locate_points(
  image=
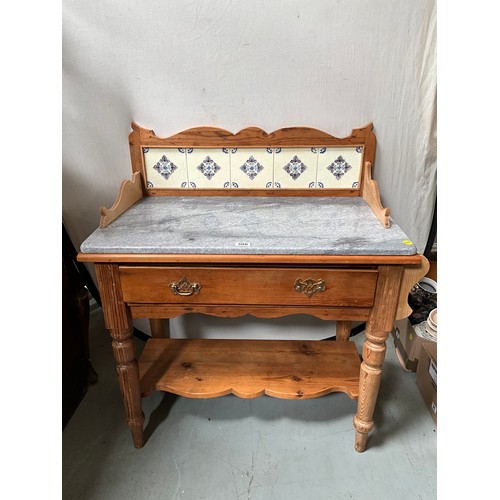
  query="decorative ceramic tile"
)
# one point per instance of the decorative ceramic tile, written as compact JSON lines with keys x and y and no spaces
{"x":251,"y":168}
{"x":208,"y":167}
{"x":165,"y":167}
{"x":339,"y":167}
{"x":295,"y":167}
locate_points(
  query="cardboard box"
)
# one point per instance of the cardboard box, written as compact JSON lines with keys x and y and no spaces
{"x":427,"y":377}
{"x":407,"y":343}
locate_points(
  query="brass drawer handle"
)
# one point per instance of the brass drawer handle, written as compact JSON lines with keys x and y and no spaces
{"x":309,"y":286}
{"x":185,"y":287}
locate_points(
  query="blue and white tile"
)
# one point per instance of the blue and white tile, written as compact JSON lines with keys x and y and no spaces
{"x":340,"y":167}
{"x":251,"y":168}
{"x":208,"y":168}
{"x":165,"y":167}
{"x":295,"y":167}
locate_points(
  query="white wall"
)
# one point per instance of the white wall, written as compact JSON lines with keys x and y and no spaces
{"x":171,"y":65}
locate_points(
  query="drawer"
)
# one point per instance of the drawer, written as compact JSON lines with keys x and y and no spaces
{"x":258,"y":286}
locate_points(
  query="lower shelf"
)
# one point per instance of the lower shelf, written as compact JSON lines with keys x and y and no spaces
{"x":289,"y":369}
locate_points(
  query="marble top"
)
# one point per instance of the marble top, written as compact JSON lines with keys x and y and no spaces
{"x":249,"y":225}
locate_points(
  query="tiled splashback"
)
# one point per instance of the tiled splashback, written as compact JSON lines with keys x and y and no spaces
{"x":253,"y":168}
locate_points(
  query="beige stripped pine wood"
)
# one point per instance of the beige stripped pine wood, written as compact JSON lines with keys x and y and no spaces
{"x":213,"y":137}
{"x":237,"y":311}
{"x":371,"y":195}
{"x":378,"y":327}
{"x":130,"y":192}
{"x":289,"y":369}
{"x":371,"y":288}
{"x":244,"y":259}
{"x":159,"y":328}
{"x":118,"y":321}
{"x":411,"y":275}
{"x":248,"y":286}
{"x":343,"y":330}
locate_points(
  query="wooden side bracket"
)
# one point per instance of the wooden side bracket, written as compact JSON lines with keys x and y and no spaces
{"x":371,"y":195}
{"x":130,"y":192}
{"x":411,"y":275}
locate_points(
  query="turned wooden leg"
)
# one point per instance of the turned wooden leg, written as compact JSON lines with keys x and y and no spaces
{"x":343,"y":330}
{"x":160,"y":328}
{"x":378,"y":326}
{"x":127,"y":370}
{"x":118,"y":321}
{"x":369,"y":384}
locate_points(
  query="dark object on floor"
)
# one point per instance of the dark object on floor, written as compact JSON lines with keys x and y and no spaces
{"x":77,"y":370}
{"x":422,"y":299}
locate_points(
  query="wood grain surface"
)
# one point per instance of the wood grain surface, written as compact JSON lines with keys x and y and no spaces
{"x":201,"y":368}
{"x":343,"y":287}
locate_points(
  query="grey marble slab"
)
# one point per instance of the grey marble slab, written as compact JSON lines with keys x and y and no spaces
{"x":249,"y":225}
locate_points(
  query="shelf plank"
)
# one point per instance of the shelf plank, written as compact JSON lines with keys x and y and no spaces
{"x":288,"y":369}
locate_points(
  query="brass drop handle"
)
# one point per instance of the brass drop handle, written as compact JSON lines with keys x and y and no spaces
{"x":185,"y":287}
{"x":309,"y":286}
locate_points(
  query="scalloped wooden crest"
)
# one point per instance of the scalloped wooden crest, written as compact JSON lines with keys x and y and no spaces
{"x":207,"y":136}
{"x":251,"y":136}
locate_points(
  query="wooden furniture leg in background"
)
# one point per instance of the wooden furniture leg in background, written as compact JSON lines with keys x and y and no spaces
{"x":378,"y":328}
{"x":118,"y":321}
{"x":343,"y":330}
{"x":159,"y":328}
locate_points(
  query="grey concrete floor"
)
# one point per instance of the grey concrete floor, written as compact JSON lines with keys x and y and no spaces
{"x":264,"y":448}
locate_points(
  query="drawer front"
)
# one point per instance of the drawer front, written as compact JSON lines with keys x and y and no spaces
{"x":270,"y":286}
